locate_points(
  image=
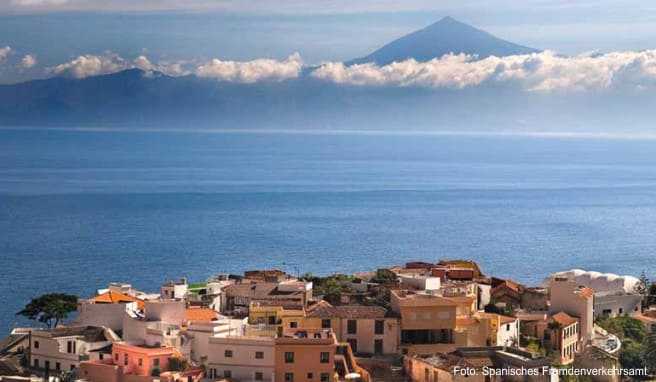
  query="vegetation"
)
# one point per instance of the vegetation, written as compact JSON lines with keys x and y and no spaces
{"x":384,"y":276}
{"x":178,"y":364}
{"x":50,"y":308}
{"x":638,"y":346}
{"x":624,"y":327}
{"x":330,"y":287}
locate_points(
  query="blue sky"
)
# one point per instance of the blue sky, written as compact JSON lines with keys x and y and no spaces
{"x":56,"y":31}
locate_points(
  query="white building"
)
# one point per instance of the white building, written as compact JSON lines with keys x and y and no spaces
{"x":226,"y":352}
{"x":62,"y":349}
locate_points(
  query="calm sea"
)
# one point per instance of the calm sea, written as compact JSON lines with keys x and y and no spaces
{"x":80,"y":209}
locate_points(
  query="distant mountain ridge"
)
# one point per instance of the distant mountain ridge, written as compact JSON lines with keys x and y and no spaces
{"x":443,"y":37}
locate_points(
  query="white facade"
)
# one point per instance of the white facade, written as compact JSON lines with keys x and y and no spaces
{"x":241,"y":358}
{"x":167,"y":311}
{"x":600,"y":282}
{"x":565,"y":296}
{"x":60,"y":353}
{"x":107,"y":315}
{"x":420,"y":282}
{"x":616,"y":304}
{"x":508,"y":333}
{"x":174,"y":289}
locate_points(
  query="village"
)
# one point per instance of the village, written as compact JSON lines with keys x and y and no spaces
{"x":419,"y":322}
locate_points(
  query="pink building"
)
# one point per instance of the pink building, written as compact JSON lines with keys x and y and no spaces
{"x":129,"y":363}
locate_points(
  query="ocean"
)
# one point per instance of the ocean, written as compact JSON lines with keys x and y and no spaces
{"x":82,"y":208}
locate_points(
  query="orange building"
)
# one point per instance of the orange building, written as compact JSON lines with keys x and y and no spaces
{"x":140,"y":360}
{"x":305,"y":355}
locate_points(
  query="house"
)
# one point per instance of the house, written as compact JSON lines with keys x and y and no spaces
{"x":269,"y":317}
{"x":174,"y":289}
{"x":368,"y":329}
{"x":107,"y":309}
{"x":427,"y":321}
{"x":567,"y":296}
{"x":237,"y":298}
{"x":240,"y":358}
{"x":445,"y":367}
{"x":614,"y":295}
{"x":130,"y":363}
{"x":562,"y":335}
{"x":305,"y":355}
{"x":62,"y":349}
{"x":503,"y":330}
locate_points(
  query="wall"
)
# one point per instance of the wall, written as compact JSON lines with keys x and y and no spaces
{"x":628,"y":303}
{"x":563,"y":297}
{"x":365,"y":335}
{"x":108,"y":315}
{"x":243,"y":363}
{"x":168,"y":311}
{"x":306,"y":360}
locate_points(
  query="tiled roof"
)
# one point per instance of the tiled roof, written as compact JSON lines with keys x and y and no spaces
{"x":113,"y":297}
{"x":257,"y":291}
{"x":563,"y":319}
{"x":200,"y":314}
{"x":586,"y":292}
{"x":323,"y":309}
{"x":89,"y":333}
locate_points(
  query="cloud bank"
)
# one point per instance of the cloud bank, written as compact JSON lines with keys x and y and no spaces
{"x":4,"y":53}
{"x":538,"y":72}
{"x":28,"y":61}
{"x":545,"y":71}
{"x":252,"y":71}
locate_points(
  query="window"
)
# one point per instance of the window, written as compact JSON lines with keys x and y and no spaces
{"x":272,"y":320}
{"x":293,"y":324}
{"x":426,"y":375}
{"x":140,"y":361}
{"x":325,"y":377}
{"x":378,"y":347}
{"x":621,"y":310}
{"x":125,"y":359}
{"x":289,"y":357}
{"x":324,"y":357}
{"x":259,"y":376}
{"x":72,"y":367}
{"x":36,"y":344}
{"x":57,"y":366}
{"x":325,"y":324}
{"x":259,"y":355}
{"x":310,"y":375}
{"x":101,"y":356}
{"x":289,"y":377}
{"x":227,"y":353}
{"x":379,"y":327}
{"x":36,"y":363}
{"x":156,"y":362}
{"x":351,"y":327}
{"x":507,"y":327}
{"x":227,"y":374}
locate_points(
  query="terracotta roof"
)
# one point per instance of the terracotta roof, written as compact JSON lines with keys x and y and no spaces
{"x":200,"y":314}
{"x":586,"y":292}
{"x":466,"y":321}
{"x":113,"y":297}
{"x":323,"y":309}
{"x":89,"y":333}
{"x":564,"y":319}
{"x":407,"y":298}
{"x":259,"y":291}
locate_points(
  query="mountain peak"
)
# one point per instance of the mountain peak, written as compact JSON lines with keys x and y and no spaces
{"x":445,"y":36}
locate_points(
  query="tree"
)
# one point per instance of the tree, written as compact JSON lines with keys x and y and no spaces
{"x":642,"y":288}
{"x":178,"y":364}
{"x":50,"y":308}
{"x":651,"y":296}
{"x":649,"y":351}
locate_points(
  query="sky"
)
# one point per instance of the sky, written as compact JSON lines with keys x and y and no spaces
{"x":38,"y":36}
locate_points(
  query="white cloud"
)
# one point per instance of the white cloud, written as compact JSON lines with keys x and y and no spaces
{"x":91,"y":65}
{"x":252,"y":71}
{"x":169,"y":68}
{"x":4,"y":53}
{"x":544,"y":71}
{"x":28,"y":61}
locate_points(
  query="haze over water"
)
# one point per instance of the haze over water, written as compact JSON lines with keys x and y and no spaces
{"x":79,"y":209}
